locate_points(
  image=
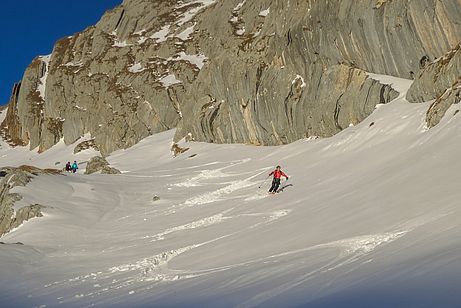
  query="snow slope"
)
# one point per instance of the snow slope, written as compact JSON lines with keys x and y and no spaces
{"x":368,"y":218}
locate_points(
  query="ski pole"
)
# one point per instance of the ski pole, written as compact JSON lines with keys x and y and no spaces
{"x":264,"y":182}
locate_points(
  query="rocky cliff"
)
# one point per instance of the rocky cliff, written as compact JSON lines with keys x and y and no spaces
{"x":261,"y":72}
{"x":439,"y":80}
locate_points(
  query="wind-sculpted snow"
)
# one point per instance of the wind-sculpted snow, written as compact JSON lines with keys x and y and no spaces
{"x":208,"y":174}
{"x":351,"y":250}
{"x":204,"y":222}
{"x":205,"y":174}
{"x":219,"y":194}
{"x":156,"y":268}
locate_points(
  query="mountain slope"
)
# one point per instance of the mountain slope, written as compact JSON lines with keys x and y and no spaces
{"x":369,"y":217}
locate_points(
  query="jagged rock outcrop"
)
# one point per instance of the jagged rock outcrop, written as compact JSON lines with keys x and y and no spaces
{"x":100,"y":164}
{"x":439,"y":80}
{"x":85,"y":145}
{"x":176,"y":149}
{"x":260,"y":72}
{"x":10,"y":217}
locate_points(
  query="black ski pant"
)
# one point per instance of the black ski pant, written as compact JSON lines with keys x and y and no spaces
{"x":275,"y":185}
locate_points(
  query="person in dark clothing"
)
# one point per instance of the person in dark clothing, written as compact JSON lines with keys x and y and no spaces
{"x":68,"y":167}
{"x":277,"y":173}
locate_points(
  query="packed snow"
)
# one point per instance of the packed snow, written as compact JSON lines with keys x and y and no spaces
{"x":197,"y":60}
{"x":240,"y":32}
{"x":136,"y":68}
{"x":265,"y":12}
{"x":162,"y":34}
{"x":239,"y":6}
{"x":190,"y":14}
{"x":42,"y":83}
{"x":140,"y":32}
{"x":120,"y":44}
{"x":185,"y":35}
{"x":368,"y":218}
{"x":169,"y":80}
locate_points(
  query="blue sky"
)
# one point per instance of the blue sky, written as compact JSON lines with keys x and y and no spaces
{"x":31,"y":27}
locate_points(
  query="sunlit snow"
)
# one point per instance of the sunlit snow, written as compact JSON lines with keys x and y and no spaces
{"x":368,"y":218}
{"x":169,"y":80}
{"x":136,"y":68}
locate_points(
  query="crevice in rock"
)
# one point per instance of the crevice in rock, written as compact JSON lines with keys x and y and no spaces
{"x":120,"y":19}
{"x":337,"y":111}
{"x":289,"y":38}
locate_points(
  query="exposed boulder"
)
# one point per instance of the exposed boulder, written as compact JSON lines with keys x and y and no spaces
{"x":439,"y":80}
{"x":85,"y":145}
{"x":176,"y":149}
{"x":10,"y":217}
{"x":100,"y":164}
{"x":95,"y":164}
{"x":110,"y":170}
{"x":441,"y":105}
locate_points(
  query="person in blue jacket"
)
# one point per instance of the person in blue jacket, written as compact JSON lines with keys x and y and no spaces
{"x":74,"y":167}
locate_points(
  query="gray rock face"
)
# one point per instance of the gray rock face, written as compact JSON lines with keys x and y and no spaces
{"x":254,"y":92}
{"x":85,"y":145}
{"x":11,"y":128}
{"x":12,"y":177}
{"x":439,"y":80}
{"x":343,"y":96}
{"x":261,"y":72}
{"x":110,"y":170}
{"x":99,"y":164}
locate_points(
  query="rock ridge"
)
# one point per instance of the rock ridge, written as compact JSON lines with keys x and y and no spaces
{"x":262,"y":72}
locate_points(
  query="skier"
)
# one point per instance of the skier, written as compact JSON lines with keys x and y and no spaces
{"x":278,"y":173}
{"x":74,"y":167}
{"x":68,"y":167}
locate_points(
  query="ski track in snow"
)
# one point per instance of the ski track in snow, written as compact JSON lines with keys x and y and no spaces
{"x":351,"y":250}
{"x":218,"y":194}
{"x":139,"y":275}
{"x":204,"y":222}
{"x":352,"y":253}
{"x":210,"y":174}
{"x":155,"y":268}
{"x":204,"y":175}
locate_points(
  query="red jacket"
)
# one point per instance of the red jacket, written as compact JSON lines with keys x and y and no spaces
{"x":278,"y":174}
